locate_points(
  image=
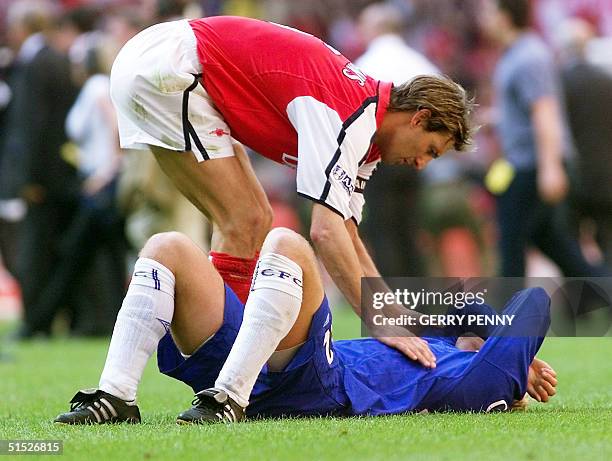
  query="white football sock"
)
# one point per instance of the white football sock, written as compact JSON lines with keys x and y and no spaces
{"x":144,"y":318}
{"x":270,"y":312}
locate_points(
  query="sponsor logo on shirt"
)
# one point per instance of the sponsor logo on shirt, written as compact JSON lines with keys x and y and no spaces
{"x":354,"y":73}
{"x":360,"y":184}
{"x":290,"y":160}
{"x":343,"y":178}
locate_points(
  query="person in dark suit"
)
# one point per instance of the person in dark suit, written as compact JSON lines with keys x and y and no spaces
{"x":32,"y":167}
{"x":588,"y":96}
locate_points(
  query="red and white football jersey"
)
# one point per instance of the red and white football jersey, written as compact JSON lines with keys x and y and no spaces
{"x":294,"y":99}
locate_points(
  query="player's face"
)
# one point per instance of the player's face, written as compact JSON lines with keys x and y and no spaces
{"x":409,"y":143}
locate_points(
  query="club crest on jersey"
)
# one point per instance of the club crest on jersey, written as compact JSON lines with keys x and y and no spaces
{"x":354,"y":73}
{"x":219,"y":132}
{"x":343,"y":178}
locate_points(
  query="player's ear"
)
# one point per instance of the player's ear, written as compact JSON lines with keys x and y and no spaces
{"x":420,"y":117}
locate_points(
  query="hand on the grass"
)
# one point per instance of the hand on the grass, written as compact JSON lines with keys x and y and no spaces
{"x":413,"y":347}
{"x":541,"y":381}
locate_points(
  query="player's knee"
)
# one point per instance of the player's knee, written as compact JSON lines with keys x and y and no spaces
{"x":539,"y":301}
{"x":288,"y":243}
{"x":167,"y":248}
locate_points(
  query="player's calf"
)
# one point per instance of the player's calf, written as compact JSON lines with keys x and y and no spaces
{"x":293,"y":246}
{"x":279,"y":299}
{"x":144,"y":318}
{"x":238,"y":240}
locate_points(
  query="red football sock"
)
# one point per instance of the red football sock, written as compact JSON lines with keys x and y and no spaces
{"x":235,"y":272}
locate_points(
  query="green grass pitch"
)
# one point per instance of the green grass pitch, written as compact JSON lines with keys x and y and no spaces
{"x":38,"y":379}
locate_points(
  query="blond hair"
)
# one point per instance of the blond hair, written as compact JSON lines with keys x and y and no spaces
{"x":447,"y":101}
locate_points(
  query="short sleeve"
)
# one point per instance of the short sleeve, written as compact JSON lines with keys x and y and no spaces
{"x":330,"y":150}
{"x":364,"y":173}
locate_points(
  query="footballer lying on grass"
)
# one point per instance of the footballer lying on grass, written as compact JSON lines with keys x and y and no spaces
{"x":274,"y":356}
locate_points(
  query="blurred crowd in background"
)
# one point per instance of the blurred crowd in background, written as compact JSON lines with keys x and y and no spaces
{"x":75,"y":208}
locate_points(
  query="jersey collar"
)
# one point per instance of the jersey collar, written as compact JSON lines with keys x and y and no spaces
{"x":384,"y":96}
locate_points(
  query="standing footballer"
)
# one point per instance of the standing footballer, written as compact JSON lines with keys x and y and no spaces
{"x":195,"y":91}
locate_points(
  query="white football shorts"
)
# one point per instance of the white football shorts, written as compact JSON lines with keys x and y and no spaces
{"x":156,"y":90}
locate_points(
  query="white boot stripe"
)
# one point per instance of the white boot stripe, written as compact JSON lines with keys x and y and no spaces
{"x":108,"y":405}
{"x":104,"y":413}
{"x":95,"y":413}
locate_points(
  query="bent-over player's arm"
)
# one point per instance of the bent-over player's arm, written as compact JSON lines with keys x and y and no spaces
{"x":336,"y":249}
{"x":342,"y":260}
{"x":366,"y":262}
{"x":329,"y":172}
{"x":369,"y":269}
